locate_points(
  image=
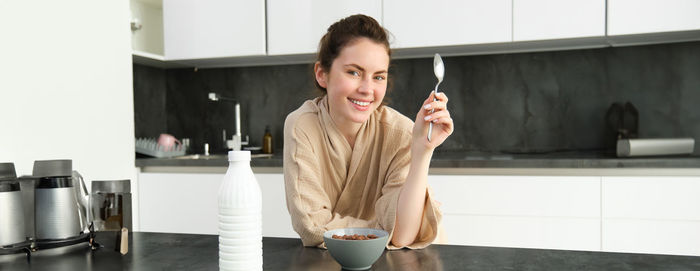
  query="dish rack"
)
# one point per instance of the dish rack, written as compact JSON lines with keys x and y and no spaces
{"x":149,"y":146}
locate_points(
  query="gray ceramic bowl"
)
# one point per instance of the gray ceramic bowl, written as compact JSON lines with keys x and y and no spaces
{"x":356,"y":254}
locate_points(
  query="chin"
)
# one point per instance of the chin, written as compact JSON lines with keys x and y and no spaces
{"x":360,"y":116}
{"x":361,"y":119}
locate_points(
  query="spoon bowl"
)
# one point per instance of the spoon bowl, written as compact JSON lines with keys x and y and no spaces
{"x":438,"y":68}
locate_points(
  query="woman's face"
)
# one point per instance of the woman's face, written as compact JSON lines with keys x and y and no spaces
{"x":357,"y":81}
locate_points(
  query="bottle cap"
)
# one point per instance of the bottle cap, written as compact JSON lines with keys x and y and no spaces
{"x":238,"y":156}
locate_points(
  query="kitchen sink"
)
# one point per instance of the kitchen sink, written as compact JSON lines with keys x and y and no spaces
{"x":202,"y":157}
{"x":489,"y":157}
{"x":215,"y":156}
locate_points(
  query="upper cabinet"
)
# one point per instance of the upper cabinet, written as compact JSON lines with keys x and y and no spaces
{"x":295,"y":27}
{"x":649,"y":16}
{"x":557,"y":19}
{"x":416,"y":23}
{"x":213,"y":28}
{"x":228,"y":33}
{"x":147,"y":26}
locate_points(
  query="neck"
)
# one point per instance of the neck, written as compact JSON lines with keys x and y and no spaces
{"x":346,"y":127}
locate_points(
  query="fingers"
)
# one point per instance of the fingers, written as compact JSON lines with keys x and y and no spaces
{"x":435,"y":110}
{"x":440,"y":96}
{"x":446,"y":122}
{"x":439,"y":104}
{"x":435,"y":116}
{"x":428,"y":100}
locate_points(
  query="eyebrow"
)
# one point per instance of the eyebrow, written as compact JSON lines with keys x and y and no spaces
{"x":362,"y":69}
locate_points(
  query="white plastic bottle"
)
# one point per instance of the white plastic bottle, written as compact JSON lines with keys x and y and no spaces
{"x":240,"y":216}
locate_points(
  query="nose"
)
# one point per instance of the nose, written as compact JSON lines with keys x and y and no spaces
{"x":365,"y":86}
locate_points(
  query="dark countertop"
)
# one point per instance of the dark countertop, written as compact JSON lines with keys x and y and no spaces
{"x":165,"y":251}
{"x":457,"y":159}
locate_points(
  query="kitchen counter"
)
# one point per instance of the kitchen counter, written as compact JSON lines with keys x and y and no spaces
{"x":165,"y":251}
{"x":454,"y":162}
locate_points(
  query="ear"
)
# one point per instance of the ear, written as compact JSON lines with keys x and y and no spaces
{"x":321,"y":75}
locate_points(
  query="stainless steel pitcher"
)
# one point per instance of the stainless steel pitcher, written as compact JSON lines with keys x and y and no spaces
{"x":60,"y":201}
{"x":11,"y":207}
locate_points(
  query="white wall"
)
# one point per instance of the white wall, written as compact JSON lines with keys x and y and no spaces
{"x":66,"y":86}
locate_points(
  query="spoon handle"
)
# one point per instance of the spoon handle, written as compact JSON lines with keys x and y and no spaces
{"x":430,"y":128}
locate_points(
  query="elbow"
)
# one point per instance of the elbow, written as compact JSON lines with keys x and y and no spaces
{"x":311,"y":242}
{"x":401,"y":241}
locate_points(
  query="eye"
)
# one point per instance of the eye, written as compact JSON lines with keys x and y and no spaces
{"x":354,"y":73}
{"x":380,"y":78}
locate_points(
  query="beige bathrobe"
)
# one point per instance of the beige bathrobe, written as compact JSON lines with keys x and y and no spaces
{"x":330,"y":185}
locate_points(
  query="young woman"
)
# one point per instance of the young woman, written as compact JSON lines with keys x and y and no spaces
{"x":349,"y":160}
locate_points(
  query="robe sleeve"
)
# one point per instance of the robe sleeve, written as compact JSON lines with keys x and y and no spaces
{"x":386,"y":205}
{"x":307,"y":202}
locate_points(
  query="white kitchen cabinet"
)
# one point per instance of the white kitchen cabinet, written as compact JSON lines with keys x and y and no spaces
{"x":651,"y":236}
{"x":187,"y":203}
{"x":178,"y":203}
{"x":220,"y":33}
{"x":651,"y":215}
{"x":649,"y":16}
{"x":558,"y":19}
{"x":416,"y":23}
{"x":296,"y":27}
{"x":276,"y":219}
{"x":213,"y":28}
{"x":147,"y":28}
{"x":523,"y":231}
{"x":147,"y":33}
{"x":641,"y":214}
{"x":560,"y":212}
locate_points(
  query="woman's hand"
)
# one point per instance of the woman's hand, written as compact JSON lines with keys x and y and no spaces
{"x":442,"y":123}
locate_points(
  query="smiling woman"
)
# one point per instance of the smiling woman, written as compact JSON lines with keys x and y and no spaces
{"x":351,"y":161}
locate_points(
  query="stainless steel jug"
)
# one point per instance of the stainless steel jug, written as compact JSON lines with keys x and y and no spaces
{"x":60,"y":196}
{"x":11,"y":207}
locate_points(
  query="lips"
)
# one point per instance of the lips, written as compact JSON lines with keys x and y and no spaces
{"x":359,"y":102}
{"x":360,"y":105}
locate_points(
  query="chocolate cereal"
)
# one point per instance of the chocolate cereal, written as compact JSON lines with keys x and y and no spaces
{"x":355,"y":237}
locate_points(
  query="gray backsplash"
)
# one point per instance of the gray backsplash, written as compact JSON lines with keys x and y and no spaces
{"x":527,"y":102}
{"x":149,"y":101}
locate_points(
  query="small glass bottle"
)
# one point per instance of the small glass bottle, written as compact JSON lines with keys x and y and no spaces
{"x":240,"y":216}
{"x":267,"y":141}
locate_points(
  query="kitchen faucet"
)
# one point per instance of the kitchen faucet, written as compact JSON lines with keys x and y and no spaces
{"x":235,"y":142}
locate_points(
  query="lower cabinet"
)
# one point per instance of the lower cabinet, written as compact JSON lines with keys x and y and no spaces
{"x":187,"y":203}
{"x":659,"y":215}
{"x":633,"y":214}
{"x":639,"y":214}
{"x":559,"y":212}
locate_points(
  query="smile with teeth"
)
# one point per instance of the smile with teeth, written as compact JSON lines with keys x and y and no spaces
{"x":360,"y":103}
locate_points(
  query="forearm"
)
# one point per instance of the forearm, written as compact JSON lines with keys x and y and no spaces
{"x":409,"y":212}
{"x":311,"y":225}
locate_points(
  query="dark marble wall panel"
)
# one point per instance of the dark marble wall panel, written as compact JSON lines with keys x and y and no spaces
{"x":266,"y":95}
{"x":528,"y":102}
{"x":556,"y":101}
{"x":150,"y":114}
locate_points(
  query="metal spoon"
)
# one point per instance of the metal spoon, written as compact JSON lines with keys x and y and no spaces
{"x":439,"y":69}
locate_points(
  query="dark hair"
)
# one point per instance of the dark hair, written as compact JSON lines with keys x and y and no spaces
{"x":341,"y":33}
